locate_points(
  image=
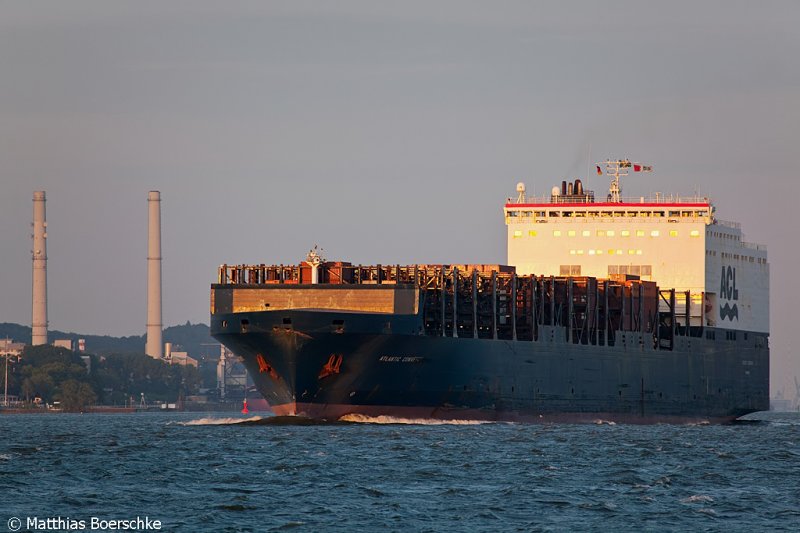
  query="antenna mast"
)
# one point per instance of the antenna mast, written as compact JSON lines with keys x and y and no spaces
{"x":616,"y":169}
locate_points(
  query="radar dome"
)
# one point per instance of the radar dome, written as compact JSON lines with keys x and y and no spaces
{"x":555,"y":191}
{"x":520,"y":187}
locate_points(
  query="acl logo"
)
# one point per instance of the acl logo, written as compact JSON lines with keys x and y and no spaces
{"x":728,"y":291}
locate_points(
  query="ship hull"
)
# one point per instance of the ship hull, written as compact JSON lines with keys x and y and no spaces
{"x":328,"y":365}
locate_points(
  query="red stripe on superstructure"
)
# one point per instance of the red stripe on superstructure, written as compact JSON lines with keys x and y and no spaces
{"x":609,"y":204}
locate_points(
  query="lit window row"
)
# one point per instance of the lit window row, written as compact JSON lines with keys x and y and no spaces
{"x":606,"y":233}
{"x":610,"y":251}
{"x":518,"y":233}
{"x":622,"y":233}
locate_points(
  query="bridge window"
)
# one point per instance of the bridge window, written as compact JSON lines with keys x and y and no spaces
{"x":654,"y":233}
{"x":673,"y":233}
{"x":517,"y":234}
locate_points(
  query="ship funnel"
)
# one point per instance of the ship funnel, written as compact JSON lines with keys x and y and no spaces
{"x":153,"y":346}
{"x":39,"y":256}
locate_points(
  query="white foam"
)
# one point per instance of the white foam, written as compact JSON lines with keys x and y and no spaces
{"x":219,"y":421}
{"x":382,"y":419}
{"x":698,"y":498}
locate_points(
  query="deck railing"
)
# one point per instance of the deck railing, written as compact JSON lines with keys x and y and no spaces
{"x":656,"y":198}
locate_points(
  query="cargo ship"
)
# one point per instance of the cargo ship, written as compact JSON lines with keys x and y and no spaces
{"x":634,"y":310}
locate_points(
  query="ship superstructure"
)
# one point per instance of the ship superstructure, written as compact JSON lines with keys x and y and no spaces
{"x":676,"y":241}
{"x":635,"y":311}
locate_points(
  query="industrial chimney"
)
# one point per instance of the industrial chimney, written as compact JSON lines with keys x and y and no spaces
{"x":39,"y":253}
{"x":153,"y":347}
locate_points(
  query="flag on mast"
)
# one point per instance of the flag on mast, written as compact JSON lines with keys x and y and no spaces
{"x":599,"y":171}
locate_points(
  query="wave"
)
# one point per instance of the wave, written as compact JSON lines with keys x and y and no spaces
{"x":698,"y":498}
{"x":211,"y":421}
{"x":383,"y":419}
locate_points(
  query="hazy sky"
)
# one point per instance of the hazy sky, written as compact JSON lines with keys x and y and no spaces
{"x":386,"y":132}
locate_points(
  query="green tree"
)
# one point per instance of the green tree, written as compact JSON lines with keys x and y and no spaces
{"x":27,"y":389}
{"x":76,"y":396}
{"x":43,"y":384}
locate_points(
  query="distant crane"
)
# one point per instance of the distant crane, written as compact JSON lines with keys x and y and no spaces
{"x":797,"y":394}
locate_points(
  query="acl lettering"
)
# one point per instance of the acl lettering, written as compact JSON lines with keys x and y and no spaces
{"x":728,"y":291}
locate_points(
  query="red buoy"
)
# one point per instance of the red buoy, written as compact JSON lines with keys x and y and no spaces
{"x":244,"y":407}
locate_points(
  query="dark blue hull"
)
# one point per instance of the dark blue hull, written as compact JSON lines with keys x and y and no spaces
{"x":327,"y":364}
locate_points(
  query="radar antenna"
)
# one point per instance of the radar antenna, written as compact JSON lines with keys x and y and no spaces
{"x":315,"y":256}
{"x":520,"y":193}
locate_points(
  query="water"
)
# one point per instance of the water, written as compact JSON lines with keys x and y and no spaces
{"x":198,"y":472}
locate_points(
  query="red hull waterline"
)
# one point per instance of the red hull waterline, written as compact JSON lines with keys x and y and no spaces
{"x":334,"y":412}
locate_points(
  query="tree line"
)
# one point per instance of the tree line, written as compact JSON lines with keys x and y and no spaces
{"x":49,"y":374}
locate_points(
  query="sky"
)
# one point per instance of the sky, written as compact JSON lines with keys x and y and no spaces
{"x":385,"y":132}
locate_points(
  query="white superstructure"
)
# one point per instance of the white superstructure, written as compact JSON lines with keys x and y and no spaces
{"x":674,"y":241}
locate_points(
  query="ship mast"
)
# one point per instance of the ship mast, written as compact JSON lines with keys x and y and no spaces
{"x":616,"y":169}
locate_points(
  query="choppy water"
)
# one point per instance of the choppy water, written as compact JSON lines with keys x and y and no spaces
{"x":206,"y":473}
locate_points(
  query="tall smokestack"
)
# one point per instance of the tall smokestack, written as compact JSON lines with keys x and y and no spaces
{"x":153,"y":347}
{"x":39,"y":252}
